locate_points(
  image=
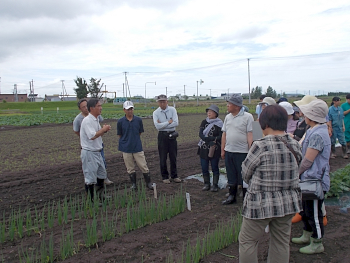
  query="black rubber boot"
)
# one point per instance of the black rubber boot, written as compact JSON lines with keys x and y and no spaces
{"x":232,"y":197}
{"x":215,"y":186}
{"x":348,"y":146}
{"x":89,"y":188}
{"x":133,"y":180}
{"x":345,"y":155}
{"x":100,"y":189}
{"x":206,"y":178}
{"x":244,"y":192}
{"x":333,"y":155}
{"x":148,"y":181}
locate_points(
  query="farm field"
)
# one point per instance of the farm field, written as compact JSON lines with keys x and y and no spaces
{"x":41,"y":166}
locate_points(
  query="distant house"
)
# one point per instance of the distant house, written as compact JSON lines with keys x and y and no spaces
{"x":55,"y":97}
{"x":13,"y":97}
{"x":226,"y":96}
{"x":69,"y":98}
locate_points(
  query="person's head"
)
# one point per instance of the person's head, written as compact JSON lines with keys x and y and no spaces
{"x":212,"y":111}
{"x":348,"y":98}
{"x":267,"y":101}
{"x":288,"y":107}
{"x":94,"y":107}
{"x":316,"y":111}
{"x":234,"y":103}
{"x":282,"y":99}
{"x":82,"y":105}
{"x":162,"y":101}
{"x":128,"y":108}
{"x":273,"y":117}
{"x":262,"y":97}
{"x":296,"y":114}
{"x":336,"y":101}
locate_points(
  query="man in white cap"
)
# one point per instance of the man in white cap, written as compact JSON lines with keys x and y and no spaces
{"x":129,"y":129}
{"x":165,"y":120}
{"x":237,"y":138}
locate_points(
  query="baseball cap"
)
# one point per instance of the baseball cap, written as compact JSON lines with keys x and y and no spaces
{"x":268,"y":101}
{"x":162,"y":97}
{"x":128,"y":104}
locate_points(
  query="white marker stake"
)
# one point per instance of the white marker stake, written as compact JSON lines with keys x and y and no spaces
{"x":42,"y":110}
{"x":267,"y":229}
{"x":155,"y":190}
{"x":188,"y":201}
{"x":58,"y":109}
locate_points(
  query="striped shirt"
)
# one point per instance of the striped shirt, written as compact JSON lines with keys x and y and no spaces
{"x":271,"y":171}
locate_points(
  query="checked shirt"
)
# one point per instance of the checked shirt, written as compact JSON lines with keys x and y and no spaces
{"x":271,"y":171}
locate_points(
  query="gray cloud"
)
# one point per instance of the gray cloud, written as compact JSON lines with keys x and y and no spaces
{"x":68,"y":9}
{"x":244,"y":34}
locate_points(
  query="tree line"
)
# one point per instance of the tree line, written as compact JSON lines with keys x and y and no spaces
{"x":83,"y":88}
{"x":270,"y":92}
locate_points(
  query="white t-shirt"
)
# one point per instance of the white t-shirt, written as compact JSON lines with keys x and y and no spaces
{"x":236,"y":129}
{"x":89,"y":126}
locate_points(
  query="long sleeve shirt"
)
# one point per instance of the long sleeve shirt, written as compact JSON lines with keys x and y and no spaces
{"x":163,"y":116}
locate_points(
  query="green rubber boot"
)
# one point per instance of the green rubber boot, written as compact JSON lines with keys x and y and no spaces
{"x":315,"y":247}
{"x":304,"y":239}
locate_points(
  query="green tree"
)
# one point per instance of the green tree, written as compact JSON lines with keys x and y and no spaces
{"x":94,"y":88}
{"x":256,"y":92}
{"x":81,"y":89}
{"x":270,"y":92}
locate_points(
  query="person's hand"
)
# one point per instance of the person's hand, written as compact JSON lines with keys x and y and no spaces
{"x":158,"y":121}
{"x":343,"y":128}
{"x":330,"y":131}
{"x":106,"y":127}
{"x":291,"y":135}
{"x":170,"y":121}
{"x":222,"y":154}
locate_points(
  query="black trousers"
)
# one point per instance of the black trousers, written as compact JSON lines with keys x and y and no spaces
{"x":167,"y":146}
{"x":233,"y":162}
{"x":313,"y":217}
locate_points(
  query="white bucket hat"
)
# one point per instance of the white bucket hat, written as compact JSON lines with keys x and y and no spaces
{"x":316,"y":110}
{"x":287,"y":106}
{"x":305,"y":100}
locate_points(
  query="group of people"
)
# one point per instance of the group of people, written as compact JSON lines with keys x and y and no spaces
{"x":129,"y":128}
{"x":297,"y":143}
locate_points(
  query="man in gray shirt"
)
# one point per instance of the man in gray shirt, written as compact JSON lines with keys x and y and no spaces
{"x":82,"y":105}
{"x":237,"y":137}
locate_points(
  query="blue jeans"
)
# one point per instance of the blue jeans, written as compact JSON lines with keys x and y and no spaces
{"x":214,"y":165}
{"x":233,"y":162}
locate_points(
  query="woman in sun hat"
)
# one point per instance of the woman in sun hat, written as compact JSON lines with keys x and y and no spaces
{"x":336,"y":118}
{"x":210,"y":134}
{"x":291,"y":124}
{"x":316,"y":148}
{"x":265,"y":102}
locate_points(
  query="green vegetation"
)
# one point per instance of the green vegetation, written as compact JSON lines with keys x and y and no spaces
{"x":340,"y":182}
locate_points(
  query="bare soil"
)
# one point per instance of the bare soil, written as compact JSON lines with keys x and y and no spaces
{"x":153,"y":242}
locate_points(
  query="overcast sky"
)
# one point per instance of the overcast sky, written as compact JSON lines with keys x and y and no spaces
{"x":294,"y":46}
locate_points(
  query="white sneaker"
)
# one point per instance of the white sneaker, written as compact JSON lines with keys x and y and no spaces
{"x":108,"y":182}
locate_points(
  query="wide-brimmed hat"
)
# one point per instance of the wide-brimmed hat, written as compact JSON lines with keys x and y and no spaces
{"x":316,"y":110}
{"x":287,"y":106}
{"x":268,"y":101}
{"x":236,"y":99}
{"x":214,"y":108}
{"x":128,"y":104}
{"x":305,"y":100}
{"x":162,"y":97}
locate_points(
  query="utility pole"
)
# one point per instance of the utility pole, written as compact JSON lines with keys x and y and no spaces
{"x":249,"y":80}
{"x":15,"y":92}
{"x":200,"y":83}
{"x":166,"y":91}
{"x":184,"y":90}
{"x":123,"y":91}
{"x":64,"y":92}
{"x":210,"y":93}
